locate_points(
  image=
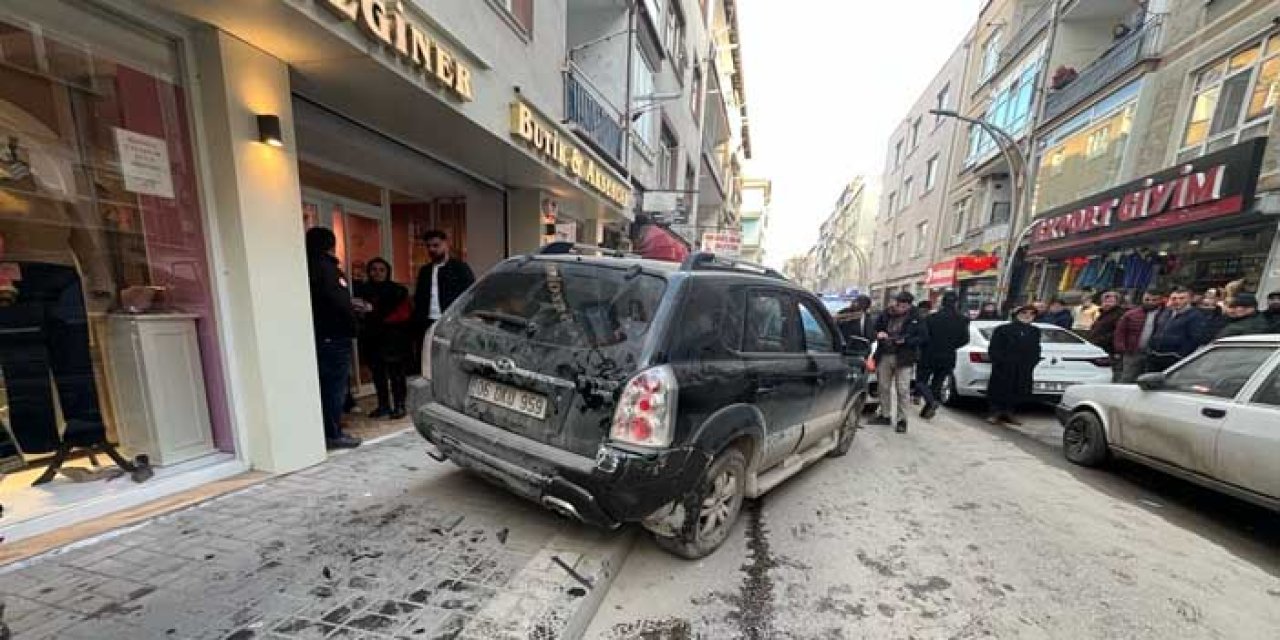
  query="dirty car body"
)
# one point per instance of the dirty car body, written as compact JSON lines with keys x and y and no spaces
{"x":605,"y":388}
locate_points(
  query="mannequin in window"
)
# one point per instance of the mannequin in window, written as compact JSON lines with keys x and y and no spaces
{"x":45,"y":247}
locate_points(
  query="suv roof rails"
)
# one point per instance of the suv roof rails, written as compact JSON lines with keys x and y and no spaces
{"x":568,"y":248}
{"x":705,"y":261}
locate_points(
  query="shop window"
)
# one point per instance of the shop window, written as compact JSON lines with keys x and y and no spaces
{"x":1234,"y":99}
{"x":107,"y":328}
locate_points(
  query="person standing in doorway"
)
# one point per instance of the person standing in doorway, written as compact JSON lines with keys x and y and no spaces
{"x":333,"y":317}
{"x":1133,"y":335}
{"x":900,"y":333}
{"x":1103,"y":332}
{"x":1179,"y":331}
{"x":948,"y":330}
{"x":1014,"y":353}
{"x":385,"y":340}
{"x":440,"y":282}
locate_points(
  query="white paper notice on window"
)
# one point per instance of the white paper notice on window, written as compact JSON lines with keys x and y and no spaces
{"x":144,"y":162}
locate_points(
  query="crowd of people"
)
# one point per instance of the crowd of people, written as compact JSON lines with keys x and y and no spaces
{"x":380,"y":317}
{"x":915,"y":347}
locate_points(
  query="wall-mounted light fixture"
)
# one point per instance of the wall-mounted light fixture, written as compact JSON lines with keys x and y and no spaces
{"x":269,"y":130}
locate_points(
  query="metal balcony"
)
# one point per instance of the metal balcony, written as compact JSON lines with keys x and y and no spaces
{"x":1140,"y":46}
{"x":599,"y":124}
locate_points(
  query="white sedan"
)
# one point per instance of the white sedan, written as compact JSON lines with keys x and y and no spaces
{"x":1213,"y":419}
{"x":1066,"y":360}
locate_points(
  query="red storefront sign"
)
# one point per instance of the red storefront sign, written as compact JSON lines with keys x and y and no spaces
{"x":941,"y":275}
{"x":1209,"y":187}
{"x":973,"y":265}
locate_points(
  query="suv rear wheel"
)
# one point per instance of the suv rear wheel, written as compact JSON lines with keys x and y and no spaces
{"x":718,"y":499}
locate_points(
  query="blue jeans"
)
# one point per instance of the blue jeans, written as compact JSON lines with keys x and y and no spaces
{"x":333,"y":357}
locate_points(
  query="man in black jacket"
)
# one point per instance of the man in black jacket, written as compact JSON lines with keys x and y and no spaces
{"x":948,"y":331}
{"x":334,"y":319}
{"x":901,"y":332}
{"x":857,"y":321}
{"x":439,"y":283}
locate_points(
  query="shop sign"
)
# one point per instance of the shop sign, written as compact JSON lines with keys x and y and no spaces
{"x":725,"y":243}
{"x":383,"y":21}
{"x":1212,"y":186}
{"x":550,"y":142}
{"x":941,"y":275}
{"x":968,"y":267}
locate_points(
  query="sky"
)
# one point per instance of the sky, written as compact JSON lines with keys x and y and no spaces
{"x":826,"y":82}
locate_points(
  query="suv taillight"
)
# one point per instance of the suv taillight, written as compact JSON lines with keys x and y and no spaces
{"x":646,"y":412}
{"x":426,"y":351}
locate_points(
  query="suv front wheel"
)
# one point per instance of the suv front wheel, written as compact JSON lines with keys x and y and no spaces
{"x":718,"y":498}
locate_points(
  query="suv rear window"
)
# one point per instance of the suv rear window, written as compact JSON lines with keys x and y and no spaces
{"x":567,"y":304}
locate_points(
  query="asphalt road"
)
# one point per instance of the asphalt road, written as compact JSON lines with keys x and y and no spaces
{"x":964,"y":530}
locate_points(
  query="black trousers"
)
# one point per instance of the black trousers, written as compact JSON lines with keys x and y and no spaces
{"x":931,"y":374}
{"x":389,"y":380}
{"x":43,"y":334}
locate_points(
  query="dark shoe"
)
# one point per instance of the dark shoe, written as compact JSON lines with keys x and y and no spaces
{"x":1008,"y":419}
{"x":343,"y":442}
{"x":902,"y":426}
{"x":995,"y":419}
{"x":380,"y":412}
{"x":880,"y":421}
{"x":398,"y":413}
{"x":929,"y":411}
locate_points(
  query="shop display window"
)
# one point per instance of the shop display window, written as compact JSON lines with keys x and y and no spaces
{"x":107,"y":330}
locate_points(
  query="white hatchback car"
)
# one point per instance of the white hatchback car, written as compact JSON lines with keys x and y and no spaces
{"x":1066,"y":360}
{"x":1213,"y":419}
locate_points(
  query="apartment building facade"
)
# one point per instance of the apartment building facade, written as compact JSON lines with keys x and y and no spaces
{"x":757,"y":200}
{"x":841,"y":262}
{"x":914,"y":186}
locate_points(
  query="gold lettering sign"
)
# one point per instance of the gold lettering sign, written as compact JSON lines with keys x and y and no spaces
{"x":559,"y":147}
{"x":414,"y":46}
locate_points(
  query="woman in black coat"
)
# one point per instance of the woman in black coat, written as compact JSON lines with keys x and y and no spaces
{"x":1014,"y":353}
{"x":386,"y":341}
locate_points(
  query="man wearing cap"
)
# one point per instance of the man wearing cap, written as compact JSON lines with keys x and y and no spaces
{"x":1272,"y":314}
{"x":901,"y":332}
{"x":948,"y":331}
{"x":1243,"y":317}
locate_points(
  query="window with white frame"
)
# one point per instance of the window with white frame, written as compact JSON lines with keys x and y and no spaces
{"x":931,"y":174}
{"x":884,"y":253}
{"x":991,"y":54}
{"x":1235,"y":99}
{"x":899,"y":243}
{"x":521,"y":11}
{"x":645,"y":124}
{"x":943,"y":103}
{"x":897,"y":154}
{"x":922,"y":233}
{"x":959,"y":218}
{"x":1010,"y":110}
{"x":915,"y":134}
{"x":673,"y":37}
{"x":908,"y":189}
{"x":893,"y":204}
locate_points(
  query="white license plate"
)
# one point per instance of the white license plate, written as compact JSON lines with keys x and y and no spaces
{"x":507,"y":397}
{"x":1053,"y":387}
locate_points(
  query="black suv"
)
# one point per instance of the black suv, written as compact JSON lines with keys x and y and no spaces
{"x":613,"y":389}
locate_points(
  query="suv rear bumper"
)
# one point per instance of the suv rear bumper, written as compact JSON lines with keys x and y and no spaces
{"x":615,"y":488}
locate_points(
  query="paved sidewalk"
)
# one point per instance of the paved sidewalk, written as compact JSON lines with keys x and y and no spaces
{"x":382,"y":542}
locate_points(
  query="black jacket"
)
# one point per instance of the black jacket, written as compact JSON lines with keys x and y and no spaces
{"x":1253,"y":324}
{"x":1274,"y":318}
{"x":1014,"y":353}
{"x":1179,"y":334}
{"x":379,"y":339}
{"x":863,"y":327}
{"x":948,"y":331}
{"x":904,"y":345}
{"x":455,"y":278}
{"x":331,"y":312}
{"x":1061,"y":318}
{"x":1103,"y":332}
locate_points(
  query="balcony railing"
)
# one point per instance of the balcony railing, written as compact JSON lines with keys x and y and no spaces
{"x":1143,"y":44}
{"x":597,"y":122}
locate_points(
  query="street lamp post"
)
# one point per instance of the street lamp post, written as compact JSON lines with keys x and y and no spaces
{"x":1017,"y":174}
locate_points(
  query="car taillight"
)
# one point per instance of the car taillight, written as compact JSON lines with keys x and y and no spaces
{"x":979,"y":357}
{"x":1104,"y":361}
{"x":646,"y":410}
{"x":426,"y":351}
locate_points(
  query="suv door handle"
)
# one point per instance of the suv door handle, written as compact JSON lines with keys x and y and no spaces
{"x":1210,"y":412}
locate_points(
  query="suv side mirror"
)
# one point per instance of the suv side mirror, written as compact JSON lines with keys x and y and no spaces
{"x":1151,"y":381}
{"x":857,"y":346}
